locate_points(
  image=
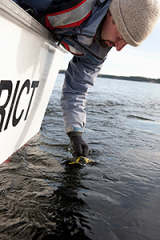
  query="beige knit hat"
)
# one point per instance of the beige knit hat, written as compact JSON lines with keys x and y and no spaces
{"x":135,"y":19}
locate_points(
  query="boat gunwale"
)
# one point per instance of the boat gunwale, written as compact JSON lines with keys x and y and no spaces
{"x":22,"y":17}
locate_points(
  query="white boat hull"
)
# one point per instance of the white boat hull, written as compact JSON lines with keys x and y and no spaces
{"x":29,"y":65}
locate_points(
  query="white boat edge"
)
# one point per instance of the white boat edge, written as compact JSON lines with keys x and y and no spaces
{"x":30,"y":61}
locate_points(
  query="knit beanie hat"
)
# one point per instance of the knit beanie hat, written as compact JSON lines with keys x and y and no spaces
{"x":135,"y":19}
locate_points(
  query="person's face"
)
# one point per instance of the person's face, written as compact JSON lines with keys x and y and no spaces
{"x":110,"y":36}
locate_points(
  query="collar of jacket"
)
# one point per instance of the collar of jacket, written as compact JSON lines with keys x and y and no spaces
{"x":91,"y":27}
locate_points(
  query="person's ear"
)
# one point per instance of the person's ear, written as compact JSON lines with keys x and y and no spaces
{"x":108,"y":14}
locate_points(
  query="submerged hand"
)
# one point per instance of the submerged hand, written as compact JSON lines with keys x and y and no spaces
{"x":79,"y":145}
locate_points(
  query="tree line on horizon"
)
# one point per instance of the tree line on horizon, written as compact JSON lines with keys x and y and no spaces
{"x":130,"y":78}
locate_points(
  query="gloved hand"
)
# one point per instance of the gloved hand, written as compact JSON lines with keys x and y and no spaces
{"x":79,"y":145}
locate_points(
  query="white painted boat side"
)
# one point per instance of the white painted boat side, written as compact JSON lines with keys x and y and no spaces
{"x":29,"y":64}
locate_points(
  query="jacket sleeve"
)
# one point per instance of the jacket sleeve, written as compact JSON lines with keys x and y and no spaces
{"x":79,"y":76}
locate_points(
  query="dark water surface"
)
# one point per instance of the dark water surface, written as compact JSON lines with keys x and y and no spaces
{"x":43,"y":197}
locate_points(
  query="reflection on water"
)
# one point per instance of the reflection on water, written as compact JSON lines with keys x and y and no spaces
{"x":42,"y":196}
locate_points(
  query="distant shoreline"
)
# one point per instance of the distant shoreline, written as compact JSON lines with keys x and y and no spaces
{"x":131,"y":78}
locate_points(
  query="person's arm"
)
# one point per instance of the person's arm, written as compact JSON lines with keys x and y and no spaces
{"x":79,"y":76}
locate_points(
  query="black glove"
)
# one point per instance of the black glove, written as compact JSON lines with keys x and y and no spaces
{"x":79,"y":145}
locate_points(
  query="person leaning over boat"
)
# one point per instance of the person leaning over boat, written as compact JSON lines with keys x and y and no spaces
{"x":89,"y":29}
